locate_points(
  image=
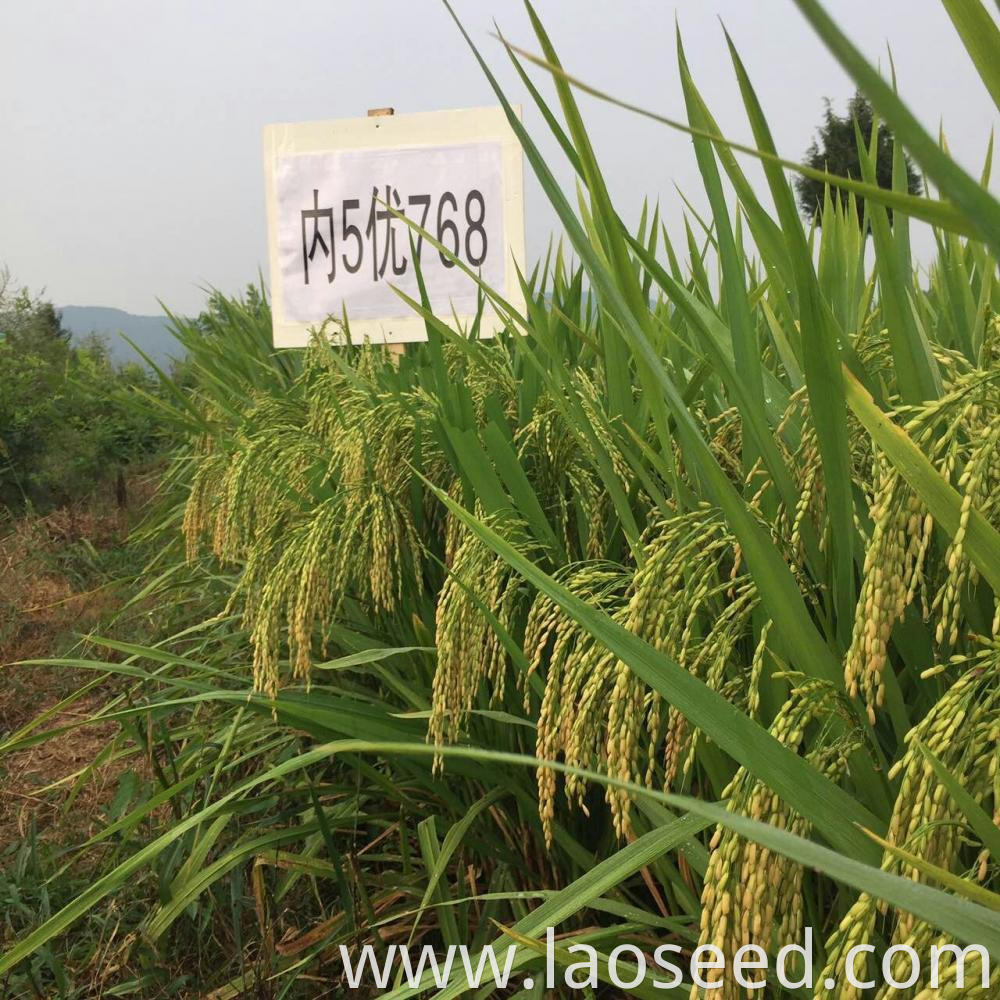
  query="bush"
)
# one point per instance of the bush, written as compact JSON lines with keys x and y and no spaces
{"x":68,"y":417}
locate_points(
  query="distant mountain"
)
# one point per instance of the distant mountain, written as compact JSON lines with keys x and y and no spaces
{"x":149,"y":333}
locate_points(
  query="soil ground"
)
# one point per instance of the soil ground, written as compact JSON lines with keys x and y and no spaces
{"x":53,"y":590}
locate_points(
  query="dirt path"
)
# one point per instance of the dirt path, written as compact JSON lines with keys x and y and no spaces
{"x":42,"y":610}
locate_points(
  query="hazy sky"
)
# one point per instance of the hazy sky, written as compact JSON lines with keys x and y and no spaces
{"x":130,"y":162}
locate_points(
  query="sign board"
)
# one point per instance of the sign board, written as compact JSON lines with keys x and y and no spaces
{"x":334,"y":245}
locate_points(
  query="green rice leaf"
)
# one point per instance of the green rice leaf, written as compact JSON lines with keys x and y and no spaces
{"x":981,"y":37}
{"x":979,"y":208}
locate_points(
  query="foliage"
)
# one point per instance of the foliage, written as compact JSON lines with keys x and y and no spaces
{"x":836,"y":149}
{"x":631,"y":621}
{"x":66,"y":420}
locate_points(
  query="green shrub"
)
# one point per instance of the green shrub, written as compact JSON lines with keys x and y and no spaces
{"x":68,"y":417}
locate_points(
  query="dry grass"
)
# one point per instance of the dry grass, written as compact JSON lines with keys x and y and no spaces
{"x":28,"y":776}
{"x":44,"y":607}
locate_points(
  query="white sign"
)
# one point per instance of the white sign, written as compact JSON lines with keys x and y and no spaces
{"x":336,"y":246}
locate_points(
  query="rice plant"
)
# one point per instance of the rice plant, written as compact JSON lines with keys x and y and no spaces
{"x":669,"y":615}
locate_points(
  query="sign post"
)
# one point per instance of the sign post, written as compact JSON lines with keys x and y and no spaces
{"x":336,"y":249}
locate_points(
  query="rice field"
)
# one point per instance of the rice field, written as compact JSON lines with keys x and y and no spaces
{"x":668,"y":615}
